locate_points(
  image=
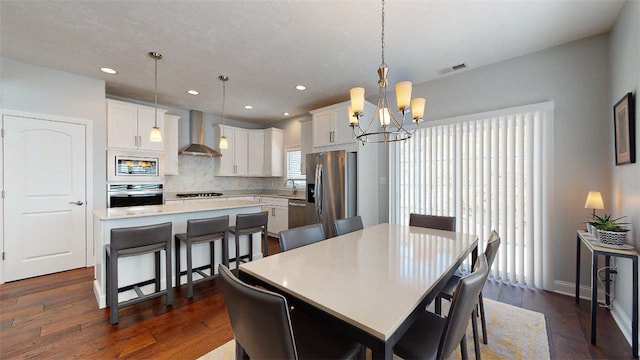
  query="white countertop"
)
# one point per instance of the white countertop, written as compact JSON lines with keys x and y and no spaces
{"x":372,"y":278}
{"x":154,"y":210}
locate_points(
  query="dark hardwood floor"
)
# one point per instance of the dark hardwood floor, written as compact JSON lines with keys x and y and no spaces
{"x":56,"y":316}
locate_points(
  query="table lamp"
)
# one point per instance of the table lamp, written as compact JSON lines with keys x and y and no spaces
{"x":594,"y":201}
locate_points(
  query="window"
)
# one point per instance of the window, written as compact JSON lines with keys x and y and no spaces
{"x":294,"y":166}
{"x":490,"y":171}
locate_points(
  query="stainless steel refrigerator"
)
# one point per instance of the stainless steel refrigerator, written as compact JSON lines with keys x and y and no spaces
{"x":331,"y":188}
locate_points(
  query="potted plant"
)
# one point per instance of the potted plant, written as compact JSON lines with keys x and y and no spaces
{"x":610,"y":231}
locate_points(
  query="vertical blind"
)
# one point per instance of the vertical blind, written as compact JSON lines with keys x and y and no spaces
{"x":490,"y":171}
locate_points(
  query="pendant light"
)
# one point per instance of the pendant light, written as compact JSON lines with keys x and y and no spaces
{"x":224,"y":143}
{"x":388,"y":128}
{"x":156,"y":134}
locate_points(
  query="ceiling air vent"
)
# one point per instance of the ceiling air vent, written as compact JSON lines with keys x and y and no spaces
{"x":451,"y":69}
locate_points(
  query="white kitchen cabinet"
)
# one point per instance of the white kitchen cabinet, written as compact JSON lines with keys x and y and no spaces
{"x":306,"y":143}
{"x":256,"y":153}
{"x":278,"y":209}
{"x":273,"y":152}
{"x":331,"y":126}
{"x":170,"y":202}
{"x":129,"y":126}
{"x":170,"y":139}
{"x":233,"y":161}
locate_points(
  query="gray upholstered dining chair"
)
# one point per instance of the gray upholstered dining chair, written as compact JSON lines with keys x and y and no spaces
{"x":300,"y":236}
{"x":264,"y":328}
{"x":447,"y":223}
{"x":434,"y":337}
{"x":448,"y":291}
{"x":345,"y":226}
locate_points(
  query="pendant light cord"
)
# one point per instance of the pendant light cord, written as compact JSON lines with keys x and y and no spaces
{"x":156,"y":92}
{"x":382,"y":36}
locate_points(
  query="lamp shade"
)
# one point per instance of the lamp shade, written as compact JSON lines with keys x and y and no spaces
{"x":224,"y":144}
{"x":403,"y":94}
{"x":417,"y":108}
{"x":357,"y":99}
{"x":594,"y":201}
{"x":155,"y":135}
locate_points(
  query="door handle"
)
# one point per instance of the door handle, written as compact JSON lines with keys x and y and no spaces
{"x":79,"y":203}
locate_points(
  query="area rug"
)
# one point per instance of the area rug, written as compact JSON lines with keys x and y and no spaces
{"x":514,"y":333}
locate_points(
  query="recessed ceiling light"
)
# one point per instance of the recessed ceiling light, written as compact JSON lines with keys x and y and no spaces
{"x":286,"y":114}
{"x":108,"y":70}
{"x":193,"y":92}
{"x":248,"y":107}
{"x":301,"y":87}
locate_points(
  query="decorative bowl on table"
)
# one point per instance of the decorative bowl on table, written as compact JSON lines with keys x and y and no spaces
{"x":612,"y":237}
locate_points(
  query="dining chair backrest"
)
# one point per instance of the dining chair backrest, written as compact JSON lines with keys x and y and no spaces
{"x":447,"y":223}
{"x":463,"y":304}
{"x":492,"y":247}
{"x":345,"y":226}
{"x":259,"y":319}
{"x":300,"y":236}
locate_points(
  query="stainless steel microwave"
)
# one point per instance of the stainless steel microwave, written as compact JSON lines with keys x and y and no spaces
{"x":124,"y":166}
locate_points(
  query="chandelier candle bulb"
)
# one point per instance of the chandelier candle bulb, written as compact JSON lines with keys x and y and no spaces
{"x":357,"y":100}
{"x":353,"y":120}
{"x":403,"y":94}
{"x":417,"y":108}
{"x":384,"y":117}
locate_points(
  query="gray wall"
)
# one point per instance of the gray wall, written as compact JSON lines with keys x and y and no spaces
{"x":625,"y":183}
{"x":575,"y":76}
{"x":32,"y":88}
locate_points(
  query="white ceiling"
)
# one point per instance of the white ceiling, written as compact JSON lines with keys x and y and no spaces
{"x":267,"y":47}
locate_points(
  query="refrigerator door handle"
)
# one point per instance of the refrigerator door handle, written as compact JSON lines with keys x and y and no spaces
{"x":318,"y":191}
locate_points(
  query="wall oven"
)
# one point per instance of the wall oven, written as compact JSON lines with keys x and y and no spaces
{"x":127,"y":167}
{"x":122,"y":195}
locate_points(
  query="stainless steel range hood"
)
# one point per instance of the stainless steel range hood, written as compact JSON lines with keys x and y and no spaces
{"x":196,"y":136}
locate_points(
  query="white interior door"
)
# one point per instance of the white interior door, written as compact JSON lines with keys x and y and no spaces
{"x":44,"y":214}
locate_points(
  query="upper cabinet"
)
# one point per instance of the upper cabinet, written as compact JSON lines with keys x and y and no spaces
{"x":256,"y":153}
{"x":170,"y":139}
{"x":233,"y":161}
{"x":273,"y":152}
{"x":251,"y":152}
{"x":129,"y":126}
{"x":331,"y":125}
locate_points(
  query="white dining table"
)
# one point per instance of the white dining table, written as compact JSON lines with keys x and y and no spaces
{"x":370,"y":284}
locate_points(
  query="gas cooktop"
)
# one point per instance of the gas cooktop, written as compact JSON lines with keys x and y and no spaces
{"x":202,"y":194}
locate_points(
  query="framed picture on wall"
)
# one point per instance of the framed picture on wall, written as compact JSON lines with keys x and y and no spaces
{"x":625,"y":130}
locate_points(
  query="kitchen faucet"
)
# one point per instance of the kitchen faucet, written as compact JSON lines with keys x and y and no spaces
{"x":292,"y":183}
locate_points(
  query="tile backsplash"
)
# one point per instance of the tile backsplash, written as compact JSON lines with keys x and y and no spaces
{"x":197,"y":174}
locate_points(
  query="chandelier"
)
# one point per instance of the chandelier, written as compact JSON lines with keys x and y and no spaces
{"x":156,"y":135}
{"x":384,"y":126}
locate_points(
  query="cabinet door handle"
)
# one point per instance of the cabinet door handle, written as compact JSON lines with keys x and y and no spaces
{"x":273,"y":211}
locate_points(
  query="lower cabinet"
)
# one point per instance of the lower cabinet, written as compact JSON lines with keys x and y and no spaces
{"x":278,"y":209}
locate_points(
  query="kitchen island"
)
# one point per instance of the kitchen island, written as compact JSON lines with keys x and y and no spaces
{"x":140,"y":268}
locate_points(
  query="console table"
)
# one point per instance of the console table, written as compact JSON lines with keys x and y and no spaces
{"x":596,"y":250}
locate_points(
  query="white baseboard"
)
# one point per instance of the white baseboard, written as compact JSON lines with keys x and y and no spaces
{"x":619,"y":317}
{"x":622,"y":320}
{"x":568,"y":288}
